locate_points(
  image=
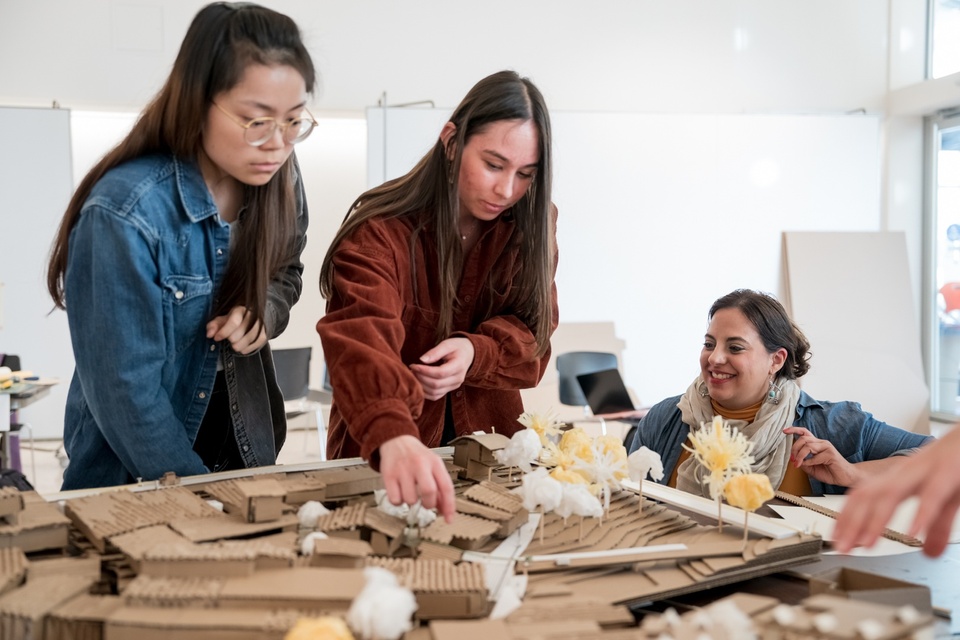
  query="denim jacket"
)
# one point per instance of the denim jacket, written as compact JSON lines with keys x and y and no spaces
{"x":856,"y":434}
{"x":145,"y":262}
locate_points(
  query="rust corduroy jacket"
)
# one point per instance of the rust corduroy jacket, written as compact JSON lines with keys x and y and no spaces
{"x":375,"y":327}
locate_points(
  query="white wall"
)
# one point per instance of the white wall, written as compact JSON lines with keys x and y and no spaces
{"x":606,"y":55}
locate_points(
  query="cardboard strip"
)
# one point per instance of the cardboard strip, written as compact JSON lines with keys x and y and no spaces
{"x":758,"y":524}
{"x":567,"y":558}
{"x":830,"y":513}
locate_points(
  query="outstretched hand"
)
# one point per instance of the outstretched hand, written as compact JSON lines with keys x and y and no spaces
{"x":245,"y":334}
{"x":444,"y":367}
{"x":412,"y":472}
{"x":933,"y":474}
{"x":820,"y":459}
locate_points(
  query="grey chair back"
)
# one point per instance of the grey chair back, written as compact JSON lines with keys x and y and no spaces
{"x":293,"y":371}
{"x":574,"y":363}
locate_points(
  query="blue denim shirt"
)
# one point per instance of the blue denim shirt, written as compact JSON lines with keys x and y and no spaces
{"x":856,"y":434}
{"x":145,"y":261}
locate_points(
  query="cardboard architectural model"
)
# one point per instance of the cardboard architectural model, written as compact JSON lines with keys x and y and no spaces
{"x":31,"y":524}
{"x":739,"y":616}
{"x":474,"y":453}
{"x":139,"y":555}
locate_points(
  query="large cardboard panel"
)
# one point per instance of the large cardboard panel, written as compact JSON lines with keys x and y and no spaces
{"x":850,"y":293}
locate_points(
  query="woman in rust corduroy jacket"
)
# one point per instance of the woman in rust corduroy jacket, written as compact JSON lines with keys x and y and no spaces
{"x":440,"y":293}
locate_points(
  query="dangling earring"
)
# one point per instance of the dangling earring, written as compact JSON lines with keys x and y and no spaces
{"x":702,"y":388}
{"x":775,"y":393}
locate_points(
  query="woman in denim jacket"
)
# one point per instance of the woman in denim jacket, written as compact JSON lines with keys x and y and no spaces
{"x":752,"y":356}
{"x":179,"y":257}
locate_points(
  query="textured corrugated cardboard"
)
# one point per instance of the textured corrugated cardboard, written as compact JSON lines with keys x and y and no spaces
{"x":847,"y":614}
{"x":88,"y":566}
{"x":340,"y":553}
{"x":82,"y":618}
{"x":13,"y":568}
{"x":443,"y":589}
{"x":478,"y":447}
{"x":870,"y":587}
{"x":187,"y":560}
{"x":224,"y":526}
{"x":39,"y":526}
{"x":307,"y":588}
{"x":22,"y":611}
{"x":144,"y":623}
{"x":101,"y":516}
{"x":134,"y":544}
{"x":350,"y":481}
{"x":11,"y":503}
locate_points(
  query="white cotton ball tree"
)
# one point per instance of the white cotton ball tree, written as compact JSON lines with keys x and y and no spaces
{"x":383,"y":610}
{"x":640,"y":464}
{"x":523,"y":449}
{"x":540,"y":491}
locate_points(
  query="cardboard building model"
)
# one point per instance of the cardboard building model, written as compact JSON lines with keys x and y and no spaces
{"x":163,"y":562}
{"x":474,"y":453}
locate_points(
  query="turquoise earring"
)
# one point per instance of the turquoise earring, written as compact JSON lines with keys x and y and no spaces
{"x":774,"y":394}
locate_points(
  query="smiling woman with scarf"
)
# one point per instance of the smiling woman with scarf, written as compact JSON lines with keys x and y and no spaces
{"x":751,"y":359}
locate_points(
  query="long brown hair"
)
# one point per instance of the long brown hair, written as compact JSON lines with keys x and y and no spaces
{"x":223,"y":39}
{"x":428,"y":188}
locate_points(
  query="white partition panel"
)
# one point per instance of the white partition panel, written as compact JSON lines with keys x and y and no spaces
{"x":851,"y":295}
{"x":35,"y":185}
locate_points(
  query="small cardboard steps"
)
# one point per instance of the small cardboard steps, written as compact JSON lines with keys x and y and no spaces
{"x":37,"y":526}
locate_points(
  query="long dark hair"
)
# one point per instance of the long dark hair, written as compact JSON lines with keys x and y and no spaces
{"x":774,"y":326}
{"x":429,"y":195}
{"x":223,"y":39}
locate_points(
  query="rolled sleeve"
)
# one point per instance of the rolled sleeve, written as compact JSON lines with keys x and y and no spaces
{"x":362,"y":335}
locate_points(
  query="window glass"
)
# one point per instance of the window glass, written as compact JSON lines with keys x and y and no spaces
{"x":946,"y":212}
{"x":944,"y":37}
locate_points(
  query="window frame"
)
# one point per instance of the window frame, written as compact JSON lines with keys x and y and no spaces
{"x":933,"y":125}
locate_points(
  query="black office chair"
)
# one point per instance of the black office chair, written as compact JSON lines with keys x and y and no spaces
{"x":10,"y":448}
{"x":574,"y":363}
{"x":293,"y":378}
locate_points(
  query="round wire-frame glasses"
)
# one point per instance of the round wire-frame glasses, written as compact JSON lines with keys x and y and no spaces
{"x":259,"y":130}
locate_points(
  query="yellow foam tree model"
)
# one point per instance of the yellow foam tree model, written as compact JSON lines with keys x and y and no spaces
{"x":724,"y":452}
{"x":748,"y":492}
{"x":546,"y":426}
{"x":327,"y":628}
{"x":575,"y":445}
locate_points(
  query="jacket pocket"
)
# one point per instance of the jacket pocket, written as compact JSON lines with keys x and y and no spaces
{"x":420,"y":326}
{"x":186,"y":300}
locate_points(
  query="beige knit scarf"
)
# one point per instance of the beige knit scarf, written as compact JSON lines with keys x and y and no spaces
{"x":771,"y":447}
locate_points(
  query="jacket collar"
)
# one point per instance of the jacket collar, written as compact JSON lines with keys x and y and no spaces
{"x":805,"y":401}
{"x":194,"y":195}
